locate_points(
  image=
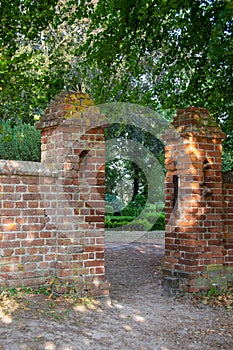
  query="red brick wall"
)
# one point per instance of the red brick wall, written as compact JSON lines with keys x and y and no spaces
{"x":27,"y":243}
{"x":53,"y":216}
{"x":52,"y":213}
{"x":194,"y":229}
{"x":73,"y":148}
{"x":228,"y":218}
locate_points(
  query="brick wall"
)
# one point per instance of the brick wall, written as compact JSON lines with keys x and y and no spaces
{"x":27,"y":243}
{"x":228,"y":218}
{"x":53,"y":213}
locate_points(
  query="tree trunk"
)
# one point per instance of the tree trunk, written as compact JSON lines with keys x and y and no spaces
{"x":136,"y":180}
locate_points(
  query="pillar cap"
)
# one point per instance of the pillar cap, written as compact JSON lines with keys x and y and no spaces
{"x":198,"y":120}
{"x":68,"y":104}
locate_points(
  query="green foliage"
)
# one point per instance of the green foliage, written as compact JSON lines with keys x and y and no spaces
{"x":21,"y":291}
{"x":114,"y":202}
{"x":150,"y":222}
{"x":227,"y":159}
{"x":213,"y":291}
{"x":38,"y":40}
{"x":163,"y":54}
{"x":42,"y":290}
{"x":215,"y":296}
{"x":116,"y":221}
{"x":124,"y":177}
{"x":140,"y":224}
{"x":24,"y":18}
{"x":160,"y":223}
{"x":139,"y":201}
{"x":153,"y":218}
{"x":109,"y":209}
{"x":121,"y":218}
{"x":139,"y":135}
{"x":135,"y":207}
{"x":19,"y":142}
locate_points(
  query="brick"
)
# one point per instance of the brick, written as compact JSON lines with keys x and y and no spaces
{"x":10,"y":212}
{"x":19,"y":251}
{"x":94,"y":218}
{"x":99,"y":271}
{"x":6,"y":269}
{"x":31,"y":196}
{"x":94,"y":248}
{"x":93,"y":263}
{"x":102,"y":254}
{"x":8,"y":188}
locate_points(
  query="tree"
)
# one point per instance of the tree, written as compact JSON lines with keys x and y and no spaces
{"x":38,"y":40}
{"x":124,"y":175}
{"x":161,"y":54}
{"x":21,"y":21}
{"x":164,"y":54}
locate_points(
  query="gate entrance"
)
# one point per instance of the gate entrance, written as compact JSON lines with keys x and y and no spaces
{"x":61,"y":220}
{"x":194,"y":246}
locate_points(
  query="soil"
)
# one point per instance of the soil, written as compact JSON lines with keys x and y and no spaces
{"x":138,"y":315}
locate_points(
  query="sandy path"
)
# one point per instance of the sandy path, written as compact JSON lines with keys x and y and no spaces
{"x":138,"y":316}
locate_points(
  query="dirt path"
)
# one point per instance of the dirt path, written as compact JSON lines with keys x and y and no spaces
{"x":138,"y":317}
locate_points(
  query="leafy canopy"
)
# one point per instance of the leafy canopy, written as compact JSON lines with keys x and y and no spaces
{"x":167,"y":54}
{"x":37,"y":43}
{"x":163,"y":54}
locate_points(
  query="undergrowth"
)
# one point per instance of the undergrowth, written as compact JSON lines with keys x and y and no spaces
{"x":215,"y":297}
{"x":47,"y":291}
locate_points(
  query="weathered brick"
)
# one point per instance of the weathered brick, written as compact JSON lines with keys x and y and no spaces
{"x":203,"y":220}
{"x":193,"y":239}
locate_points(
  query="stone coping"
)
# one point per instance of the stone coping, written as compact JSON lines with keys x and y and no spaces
{"x":26,"y":168}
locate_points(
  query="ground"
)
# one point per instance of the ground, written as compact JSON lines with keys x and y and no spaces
{"x":138,"y":316}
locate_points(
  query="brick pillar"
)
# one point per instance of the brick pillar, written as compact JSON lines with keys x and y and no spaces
{"x":228,"y":219}
{"x":73,"y":154}
{"x":194,"y":203}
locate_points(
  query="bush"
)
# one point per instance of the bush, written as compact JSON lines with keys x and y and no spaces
{"x":109,"y":209}
{"x":160,"y":223}
{"x":19,"y":142}
{"x":116,"y":221}
{"x":114,"y":202}
{"x":141,"y":224}
{"x":153,"y":217}
{"x":130,"y":211}
{"x":135,"y":207}
{"x":122,"y":218}
{"x":150,"y":222}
